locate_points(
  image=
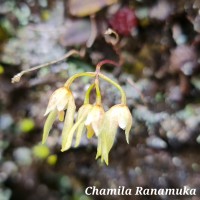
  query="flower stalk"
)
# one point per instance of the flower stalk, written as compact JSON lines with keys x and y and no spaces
{"x":91,"y":118}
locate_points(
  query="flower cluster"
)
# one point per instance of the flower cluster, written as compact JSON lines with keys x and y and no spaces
{"x":91,"y":118}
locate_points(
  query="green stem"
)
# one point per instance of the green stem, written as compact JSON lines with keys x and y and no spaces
{"x":70,"y":80}
{"x":98,"y":92}
{"x":87,"y":94}
{"x":123,"y":95}
{"x":93,"y":74}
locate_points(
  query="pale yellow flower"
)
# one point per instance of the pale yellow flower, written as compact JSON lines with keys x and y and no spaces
{"x":117,"y":116}
{"x":95,"y":118}
{"x":82,"y":114}
{"x":62,"y":99}
{"x":90,"y":117}
{"x":58,"y":100}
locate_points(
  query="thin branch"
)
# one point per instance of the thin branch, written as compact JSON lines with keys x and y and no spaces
{"x":18,"y":76}
{"x":103,"y":62}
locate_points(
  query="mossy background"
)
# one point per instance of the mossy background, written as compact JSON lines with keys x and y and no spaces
{"x":161,"y":57}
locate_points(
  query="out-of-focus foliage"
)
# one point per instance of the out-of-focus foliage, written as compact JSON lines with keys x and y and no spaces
{"x":41,"y":151}
{"x":26,"y":125}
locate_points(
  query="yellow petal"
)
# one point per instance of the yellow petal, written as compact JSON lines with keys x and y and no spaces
{"x":48,"y":124}
{"x":69,"y":136}
{"x":128,"y":127}
{"x":66,"y":145}
{"x":97,"y":123}
{"x":58,"y":100}
{"x":90,"y":132}
{"x":79,"y":133}
{"x":95,"y":119}
{"x":125,"y":120}
{"x":99,"y":148}
{"x":107,"y":136}
{"x":61,"y":115}
{"x":122,"y":114}
{"x":102,"y":148}
{"x":50,"y":107}
{"x":105,"y":152}
{"x":68,"y":123}
{"x":82,"y":113}
{"x":109,"y":129}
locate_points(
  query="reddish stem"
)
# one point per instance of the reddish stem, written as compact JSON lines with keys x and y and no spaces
{"x":99,"y":65}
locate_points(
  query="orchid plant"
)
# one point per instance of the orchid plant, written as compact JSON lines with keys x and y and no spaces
{"x":91,"y":118}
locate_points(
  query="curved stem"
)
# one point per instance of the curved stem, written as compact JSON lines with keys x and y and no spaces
{"x":93,"y":74}
{"x":123,"y":95}
{"x":99,"y":65}
{"x":87,"y":94}
{"x":70,"y":80}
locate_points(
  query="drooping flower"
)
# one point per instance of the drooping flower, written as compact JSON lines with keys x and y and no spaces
{"x":89,"y":117}
{"x":94,"y":119}
{"x":82,"y":114}
{"x":117,"y":116}
{"x":59,"y":101}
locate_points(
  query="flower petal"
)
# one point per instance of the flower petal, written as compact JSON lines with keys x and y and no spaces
{"x":48,"y":125}
{"x":110,"y":129}
{"x":57,"y":100}
{"x":122,"y":123}
{"x":50,"y":107}
{"x":88,"y":119}
{"x":61,"y":105}
{"x":61,"y":115}
{"x":68,"y":123}
{"x":79,"y":133}
{"x":95,"y":118}
{"x":90,"y":132}
{"x":122,"y":116}
{"x":128,"y":127}
{"x":124,"y":120}
{"x":82,"y":113}
{"x":104,"y":148}
{"x":99,"y":148}
{"x":107,"y":136}
{"x":98,"y":122}
{"x":68,"y":138}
